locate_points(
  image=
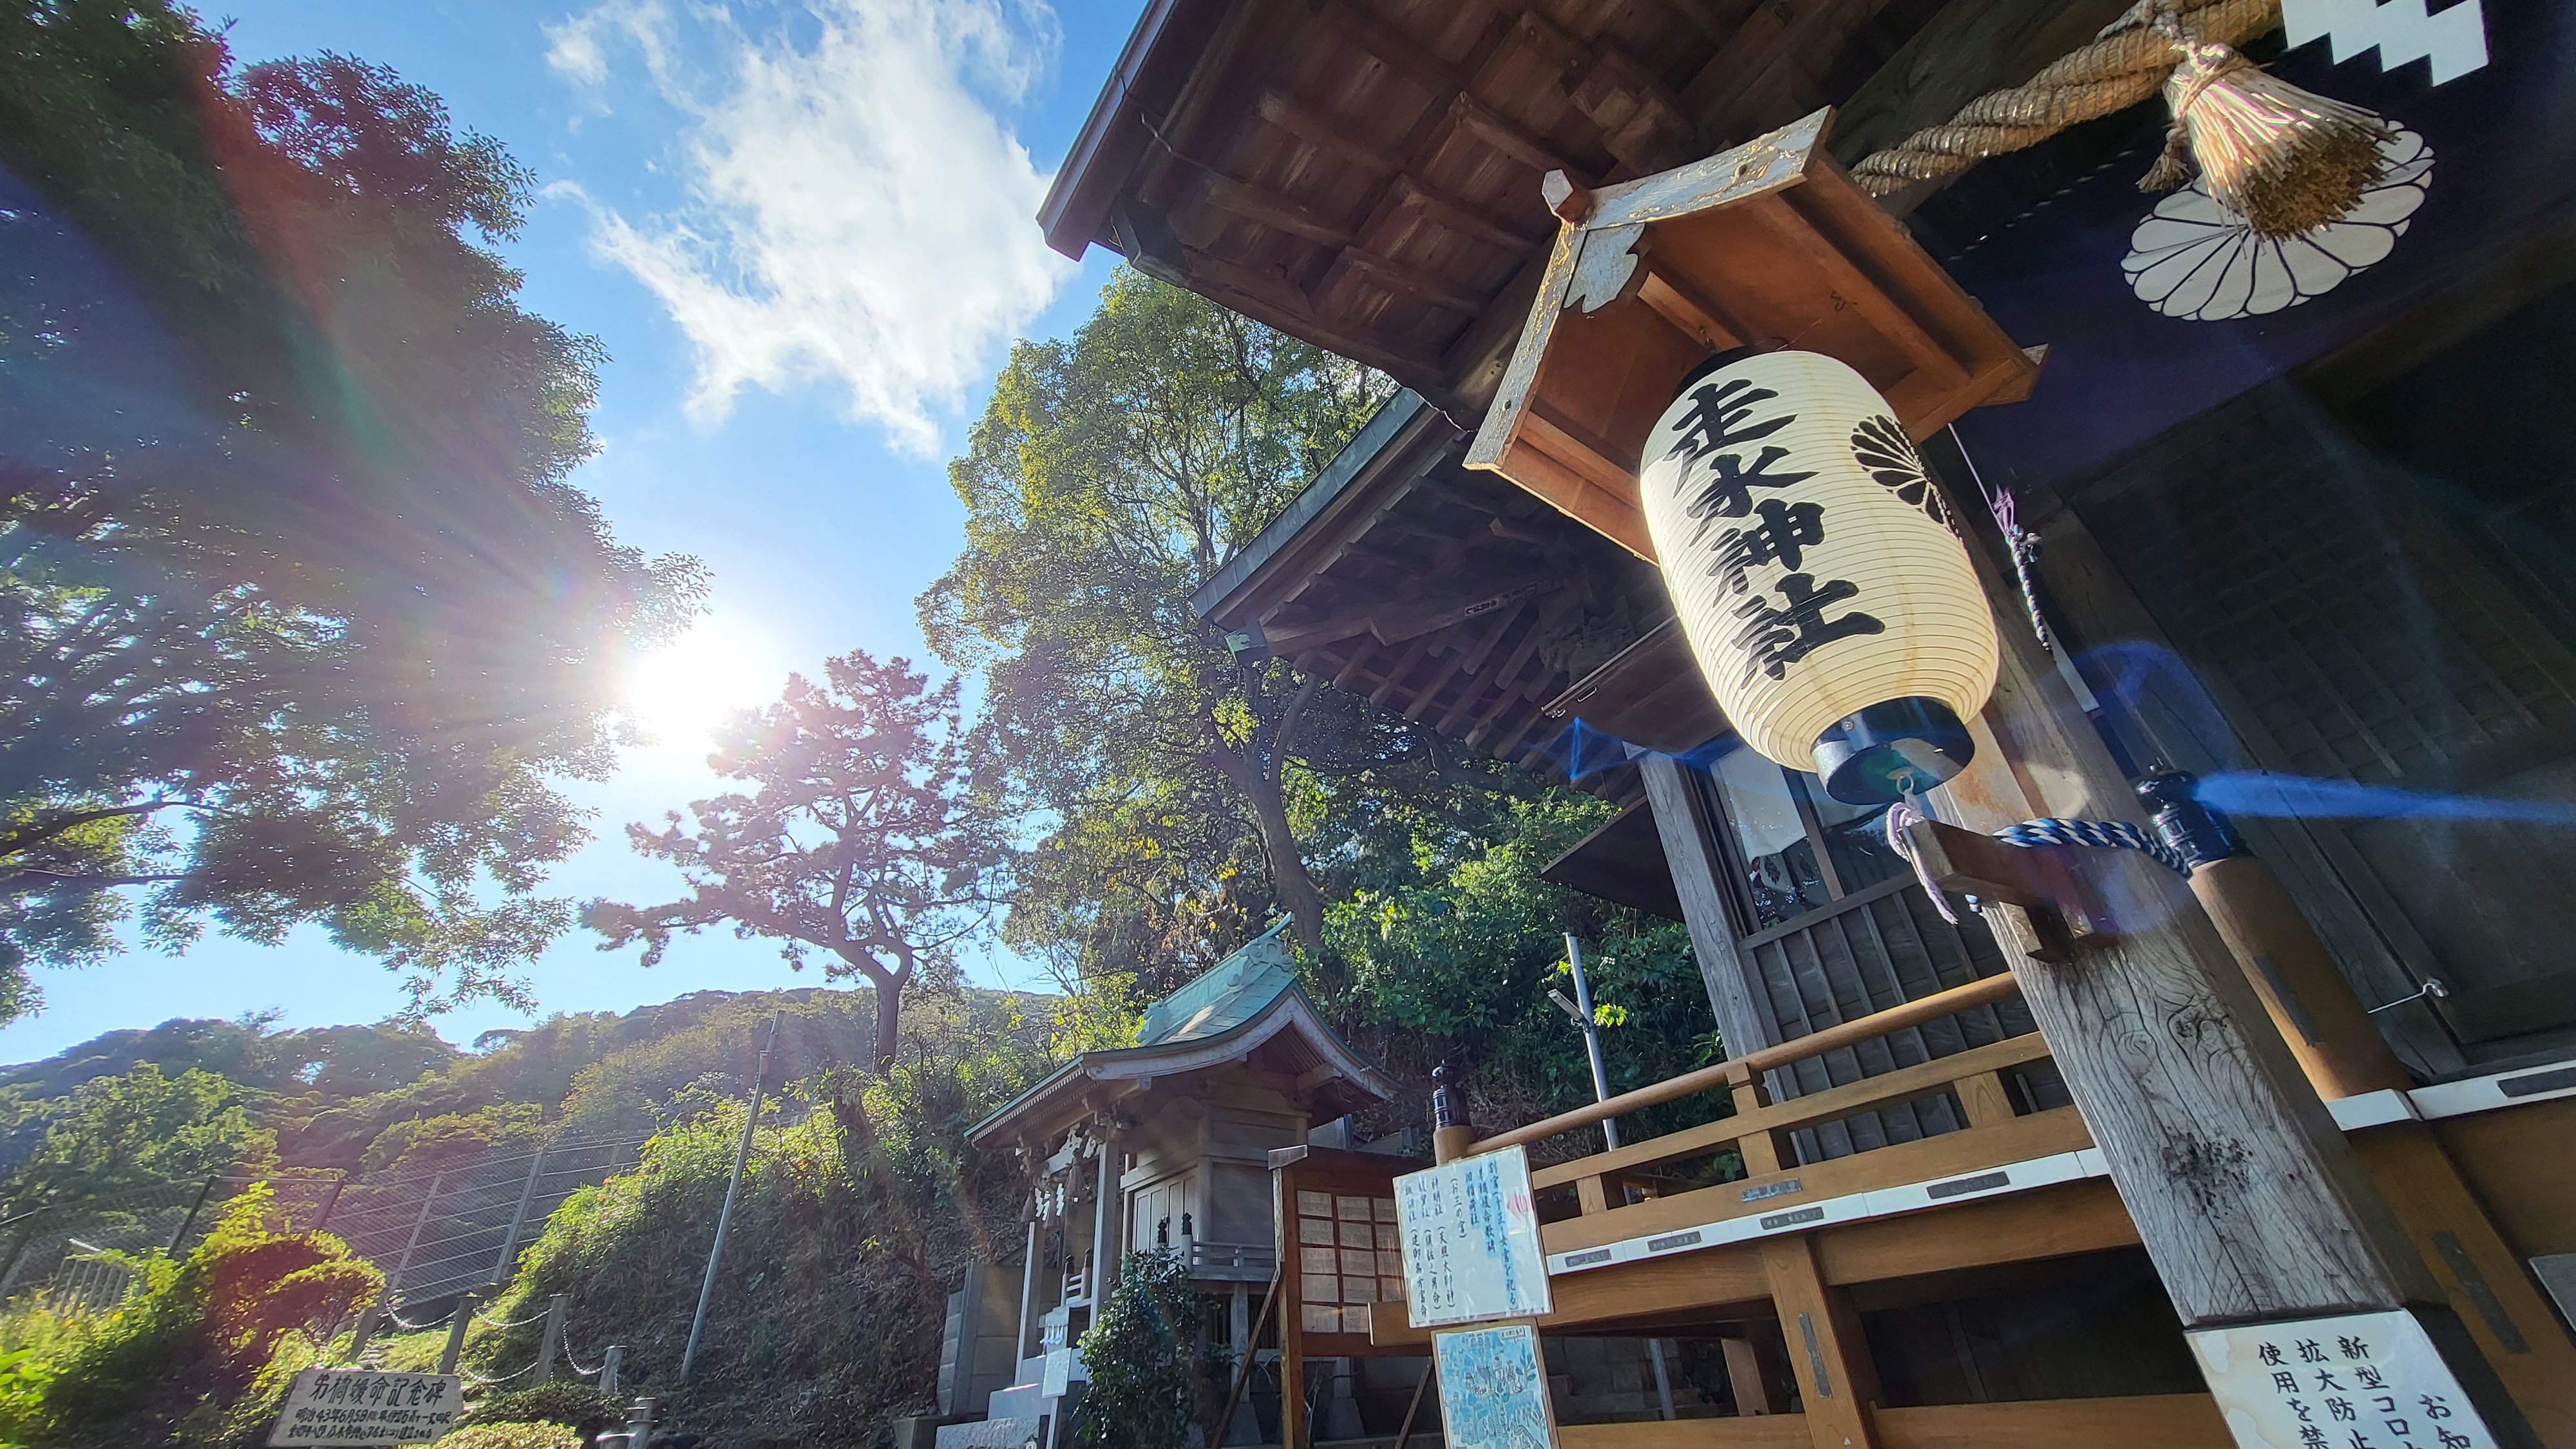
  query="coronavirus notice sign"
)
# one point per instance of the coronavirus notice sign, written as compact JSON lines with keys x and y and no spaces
{"x":356,"y":1407}
{"x":2362,"y":1381}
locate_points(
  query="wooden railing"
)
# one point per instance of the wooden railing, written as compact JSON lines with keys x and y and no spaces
{"x":1233,"y":1262}
{"x":1759,"y":1130}
{"x":1741,"y":1075}
{"x":1756,"y":1129}
{"x":2149,"y":1421}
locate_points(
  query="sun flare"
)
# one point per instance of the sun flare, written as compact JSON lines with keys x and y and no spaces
{"x":680,"y":692}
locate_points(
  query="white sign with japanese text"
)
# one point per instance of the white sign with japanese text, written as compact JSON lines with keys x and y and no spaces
{"x":359,"y":1406}
{"x":2358,"y":1381}
{"x":1471,"y":1249}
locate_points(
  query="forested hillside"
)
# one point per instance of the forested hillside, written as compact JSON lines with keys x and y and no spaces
{"x":194,"y":1096}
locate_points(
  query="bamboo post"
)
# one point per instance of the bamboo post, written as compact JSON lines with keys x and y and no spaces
{"x":551,"y":1343}
{"x":733,"y":1189}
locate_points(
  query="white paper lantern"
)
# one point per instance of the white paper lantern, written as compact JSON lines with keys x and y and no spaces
{"x":1816,"y":573}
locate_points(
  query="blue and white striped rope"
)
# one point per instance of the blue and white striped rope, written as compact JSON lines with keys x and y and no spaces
{"x":2101,"y":834}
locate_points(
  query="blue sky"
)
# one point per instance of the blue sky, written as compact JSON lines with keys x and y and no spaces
{"x":805,"y":234}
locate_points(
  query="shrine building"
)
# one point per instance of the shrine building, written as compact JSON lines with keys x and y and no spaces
{"x":2093,"y":668}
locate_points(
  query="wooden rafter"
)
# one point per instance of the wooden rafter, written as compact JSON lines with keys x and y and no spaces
{"x":1271,"y":299}
{"x":1321,"y":132}
{"x":1390,"y":47}
{"x":1271,"y":209}
{"x":1403,"y":666}
{"x":1398,"y":278}
{"x":1408,"y":192}
{"x":1492,"y":128}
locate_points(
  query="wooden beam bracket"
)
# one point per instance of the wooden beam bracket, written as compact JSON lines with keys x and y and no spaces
{"x":2035,"y":878}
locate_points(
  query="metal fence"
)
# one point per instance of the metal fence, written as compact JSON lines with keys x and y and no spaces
{"x":434,"y":1234}
{"x":439,"y":1233}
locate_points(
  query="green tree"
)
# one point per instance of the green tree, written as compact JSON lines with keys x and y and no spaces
{"x":1111,"y":476}
{"x":867,"y":838}
{"x":141,"y":1129}
{"x":302,"y":617}
{"x":1142,"y":1353}
{"x":1446,"y":941}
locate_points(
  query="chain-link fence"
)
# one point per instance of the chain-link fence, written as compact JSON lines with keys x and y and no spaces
{"x":65,"y":1250}
{"x":434,"y":1233}
{"x":441,"y":1232}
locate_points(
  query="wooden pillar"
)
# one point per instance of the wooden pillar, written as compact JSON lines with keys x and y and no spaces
{"x":2488,"y":1286}
{"x":2247,"y":1197}
{"x":2094,"y":597}
{"x":1756,"y":1381}
{"x":1837,"y":1380}
{"x":1108,"y":1218}
{"x":1688,"y":830}
{"x":1022,"y":1349}
{"x":1292,"y":1313}
{"x":2311,"y":1005}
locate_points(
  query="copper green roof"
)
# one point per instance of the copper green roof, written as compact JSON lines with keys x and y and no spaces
{"x":1245,"y":1002}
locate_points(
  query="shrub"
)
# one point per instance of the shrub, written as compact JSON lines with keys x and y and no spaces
{"x":562,"y":1402}
{"x":513,"y":1436}
{"x":1141,"y":1353}
{"x":202,"y":1352}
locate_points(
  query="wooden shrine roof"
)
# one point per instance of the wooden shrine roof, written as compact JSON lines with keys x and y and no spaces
{"x":1460,"y":602}
{"x":1365,"y":173}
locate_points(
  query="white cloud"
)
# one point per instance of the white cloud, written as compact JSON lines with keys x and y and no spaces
{"x":856,"y":211}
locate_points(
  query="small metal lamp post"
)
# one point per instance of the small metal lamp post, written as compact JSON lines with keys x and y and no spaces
{"x":1580,"y":1008}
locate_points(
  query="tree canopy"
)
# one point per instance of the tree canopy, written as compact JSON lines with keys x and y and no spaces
{"x":1186,"y":791}
{"x":141,"y":1130}
{"x":303,"y":617}
{"x":1110,"y":476}
{"x":867,"y":838}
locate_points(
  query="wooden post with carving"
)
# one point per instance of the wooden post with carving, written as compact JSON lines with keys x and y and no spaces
{"x":2244,"y":1192}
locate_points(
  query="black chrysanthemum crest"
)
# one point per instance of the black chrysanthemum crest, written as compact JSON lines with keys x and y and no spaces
{"x":1882,"y":448}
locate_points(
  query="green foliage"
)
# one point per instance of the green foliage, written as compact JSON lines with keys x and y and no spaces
{"x":141,"y":1129}
{"x":203,"y":1350}
{"x":514,"y":1436}
{"x":853,"y":1225}
{"x":1142,"y":1355}
{"x":1110,"y":476}
{"x":452,"y":1139}
{"x":312,"y":621}
{"x":576,"y":1405}
{"x":867,"y":837}
{"x":1449,"y":940}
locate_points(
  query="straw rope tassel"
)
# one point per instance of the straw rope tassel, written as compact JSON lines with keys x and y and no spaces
{"x":2129,"y":62}
{"x":2285,"y":159}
